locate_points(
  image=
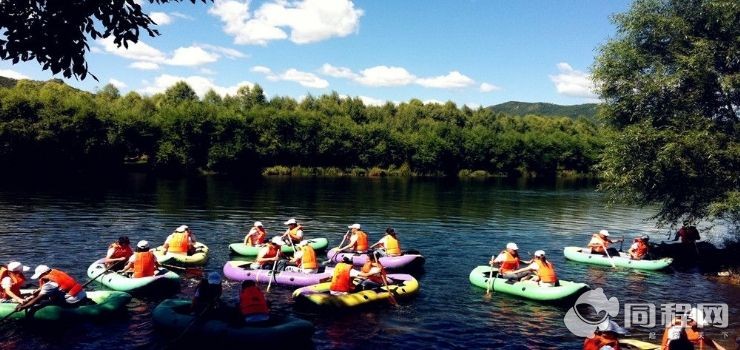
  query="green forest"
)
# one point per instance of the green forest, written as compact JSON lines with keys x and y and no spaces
{"x":50,"y":125}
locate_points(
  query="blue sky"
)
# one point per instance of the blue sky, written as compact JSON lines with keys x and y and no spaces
{"x":472,"y":52}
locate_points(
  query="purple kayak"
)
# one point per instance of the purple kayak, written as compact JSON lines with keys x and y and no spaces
{"x":405,"y":261}
{"x":240,"y":271}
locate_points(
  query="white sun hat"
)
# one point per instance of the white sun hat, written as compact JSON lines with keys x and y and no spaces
{"x":142,"y":244}
{"x":604,"y":233}
{"x":539,"y":253}
{"x":290,"y":222}
{"x":15,"y":266}
{"x":354,"y":226}
{"x":40,"y":270}
{"x":512,"y":246}
{"x":258,"y":224}
{"x":182,"y":228}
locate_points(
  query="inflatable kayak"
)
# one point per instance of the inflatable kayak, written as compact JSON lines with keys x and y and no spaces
{"x":240,"y":271}
{"x":401,"y":285}
{"x":173,"y":315}
{"x":243,"y":249}
{"x":584,"y":255}
{"x":107,"y":304}
{"x":162,"y":279}
{"x":405,"y":261}
{"x":479,"y":277}
{"x":638,"y":344}
{"x":198,"y":258}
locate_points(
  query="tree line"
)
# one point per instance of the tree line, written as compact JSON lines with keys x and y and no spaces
{"x":50,"y":125}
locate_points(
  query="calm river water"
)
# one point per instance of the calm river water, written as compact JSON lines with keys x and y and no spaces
{"x":456,"y":225}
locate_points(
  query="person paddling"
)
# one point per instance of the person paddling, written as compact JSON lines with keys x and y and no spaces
{"x":508,"y":261}
{"x":541,"y":269}
{"x":118,"y":253}
{"x":11,"y":281}
{"x":55,"y":287}
{"x":207,"y":296}
{"x":294,"y":232}
{"x":267,"y":256}
{"x":358,"y":242}
{"x":340,"y":279}
{"x":304,"y":259}
{"x":388,"y":245}
{"x":606,"y":336}
{"x":256,"y":235}
{"x":639,"y":248}
{"x":252,"y":303}
{"x":143,"y":262}
{"x":688,"y":234}
{"x":181,"y":241}
{"x":371,"y":274}
{"x":599,"y":244}
{"x":687,"y":329}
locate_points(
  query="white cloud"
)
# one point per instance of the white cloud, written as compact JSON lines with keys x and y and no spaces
{"x":228,"y":52}
{"x":571,"y":82}
{"x":453,"y":80}
{"x":8,"y":73}
{"x":304,"y":78}
{"x":207,"y":71}
{"x":95,"y":49}
{"x":473,"y":105}
{"x":160,"y":18}
{"x":181,"y":15}
{"x":199,"y":84}
{"x":385,"y":76}
{"x":144,"y":65}
{"x":369,"y":101}
{"x":307,"y":20}
{"x":117,"y":83}
{"x":261,"y":70}
{"x":191,"y":56}
{"x":486,"y":87}
{"x":136,"y":51}
{"x":338,"y":72}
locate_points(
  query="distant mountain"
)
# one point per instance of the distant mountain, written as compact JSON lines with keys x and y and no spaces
{"x":586,"y":110}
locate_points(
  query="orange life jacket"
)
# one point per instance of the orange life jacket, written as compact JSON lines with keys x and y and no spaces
{"x":271,"y":253}
{"x":179,"y":242}
{"x":257,"y":239}
{"x":340,"y":278}
{"x":693,"y":336}
{"x":144,"y":264}
{"x":546,"y":272}
{"x":509,"y":264}
{"x":120,"y":251}
{"x":361,"y":244}
{"x":308,"y":259}
{"x":391,"y":245}
{"x":375,"y":278}
{"x":66,"y":283}
{"x":598,"y":244}
{"x":17,"y":280}
{"x":252,"y":301}
{"x":641,"y":250}
{"x":599,"y":341}
{"x":293,"y":233}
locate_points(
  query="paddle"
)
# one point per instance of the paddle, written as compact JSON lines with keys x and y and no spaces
{"x":337,"y":249}
{"x":489,"y":285}
{"x":391,"y":298}
{"x":181,"y":268}
{"x":608,"y":256}
{"x":273,"y":273}
{"x":621,"y":244}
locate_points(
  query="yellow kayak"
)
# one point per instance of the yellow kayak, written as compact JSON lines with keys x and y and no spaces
{"x":198,"y":258}
{"x":638,"y":344}
{"x":401,"y":285}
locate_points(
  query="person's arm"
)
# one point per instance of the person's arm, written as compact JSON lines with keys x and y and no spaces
{"x":6,"y":284}
{"x":191,"y":237}
{"x":37,"y":295}
{"x":130,"y":264}
{"x":352,"y":241}
{"x":166,"y":244}
{"x":380,"y":242}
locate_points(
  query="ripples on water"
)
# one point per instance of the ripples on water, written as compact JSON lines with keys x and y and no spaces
{"x":457,"y":225}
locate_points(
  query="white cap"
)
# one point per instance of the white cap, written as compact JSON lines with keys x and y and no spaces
{"x":142,"y":244}
{"x":15,"y":266}
{"x":539,"y":253}
{"x":354,"y":226}
{"x":512,"y":246}
{"x":40,"y":270}
{"x":258,"y":224}
{"x":277,"y":240}
{"x":182,"y":228}
{"x":604,"y":233}
{"x":611,"y":326}
{"x":214,"y":278}
{"x":290,"y":222}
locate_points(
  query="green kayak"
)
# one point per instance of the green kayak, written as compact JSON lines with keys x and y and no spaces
{"x":243,"y":249}
{"x":198,"y":259}
{"x":479,"y":277}
{"x":163,"y":279}
{"x":172,"y":315}
{"x":623,"y":260}
{"x":108,"y":303}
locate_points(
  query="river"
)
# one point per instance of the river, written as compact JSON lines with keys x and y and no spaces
{"x":457,"y":225}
